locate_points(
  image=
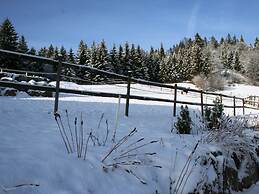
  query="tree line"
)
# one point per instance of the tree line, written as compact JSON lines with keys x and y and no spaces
{"x":183,"y":61}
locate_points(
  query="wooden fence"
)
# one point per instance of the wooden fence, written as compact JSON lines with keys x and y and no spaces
{"x":127,"y":79}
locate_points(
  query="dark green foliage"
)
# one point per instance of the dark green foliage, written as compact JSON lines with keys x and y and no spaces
{"x":8,"y":36}
{"x":183,"y":124}
{"x":213,"y":42}
{"x":229,"y":64}
{"x":256,"y":44}
{"x":237,"y":64}
{"x":22,"y":45}
{"x":8,"y":41}
{"x":50,"y":53}
{"x":213,"y":115}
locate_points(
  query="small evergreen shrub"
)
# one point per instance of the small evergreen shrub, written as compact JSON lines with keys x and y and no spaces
{"x":213,"y":115}
{"x":183,"y":124}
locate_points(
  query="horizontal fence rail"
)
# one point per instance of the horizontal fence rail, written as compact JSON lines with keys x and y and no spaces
{"x":126,"y":79}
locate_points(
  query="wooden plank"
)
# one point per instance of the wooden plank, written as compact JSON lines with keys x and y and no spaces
{"x":243,"y":106}
{"x":234,"y":101}
{"x":202,"y":112}
{"x":128,"y":95}
{"x":175,"y":99}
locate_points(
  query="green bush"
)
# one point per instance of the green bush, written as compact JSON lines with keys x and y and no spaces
{"x":183,"y":124}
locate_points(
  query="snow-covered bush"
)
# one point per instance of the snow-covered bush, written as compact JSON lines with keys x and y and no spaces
{"x":216,"y":82}
{"x":200,"y":81}
{"x":214,"y":115}
{"x":183,"y":124}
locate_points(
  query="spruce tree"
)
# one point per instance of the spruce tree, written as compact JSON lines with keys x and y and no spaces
{"x":32,"y":64}
{"x":120,"y":66}
{"x":161,"y":52}
{"x":50,"y":53}
{"x":8,"y":36}
{"x":63,"y":54}
{"x":256,"y":44}
{"x":183,"y":124}
{"x":43,"y":52}
{"x":152,"y":61}
{"x":237,"y":65}
{"x":230,"y":60}
{"x":32,"y":51}
{"x":81,"y":53}
{"x":22,"y":45}
{"x":56,"y":53}
{"x":126,"y":59}
{"x":102,"y":61}
{"x":229,"y":39}
{"x":196,"y":58}
{"x":71,"y":56}
{"x":113,"y":59}
{"x":242,"y":39}
{"x":198,"y":40}
{"x":8,"y":41}
{"x":81,"y":59}
{"x":214,"y":43}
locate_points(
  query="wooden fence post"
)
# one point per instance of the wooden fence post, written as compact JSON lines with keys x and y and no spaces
{"x":220,"y":96}
{"x":128,"y":95}
{"x":175,"y":98}
{"x":202,"y":103}
{"x":234,"y":106}
{"x":57,"y":84}
{"x":243,"y":106}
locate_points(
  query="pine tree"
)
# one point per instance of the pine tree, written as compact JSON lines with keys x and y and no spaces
{"x":230,"y":60}
{"x":70,"y":71}
{"x":256,"y":44}
{"x":234,"y":40}
{"x":222,"y":41}
{"x":224,"y":57}
{"x":71,"y":56}
{"x":22,"y":45}
{"x":242,"y":39}
{"x":8,"y":36}
{"x":8,"y":41}
{"x":42,"y":52}
{"x":196,"y":58}
{"x":126,"y":59}
{"x":183,"y":124}
{"x":81,"y":53}
{"x":214,"y":43}
{"x":32,"y":51}
{"x":228,"y":39}
{"x":214,"y":115}
{"x":152,"y":61}
{"x":50,"y":53}
{"x":161,"y":52}
{"x":198,"y":40}
{"x":56,"y":53}
{"x":81,"y":59}
{"x":114,"y":60}
{"x":120,"y":66}
{"x":237,"y":65}
{"x":31,"y":64}
{"x":63,"y":54}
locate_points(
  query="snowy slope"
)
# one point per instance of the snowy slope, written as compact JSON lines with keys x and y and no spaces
{"x":32,"y":151}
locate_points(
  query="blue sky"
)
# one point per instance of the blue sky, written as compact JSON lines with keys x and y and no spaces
{"x":144,"y":22}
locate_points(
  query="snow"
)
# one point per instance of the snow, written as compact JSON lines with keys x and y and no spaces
{"x":32,"y":151}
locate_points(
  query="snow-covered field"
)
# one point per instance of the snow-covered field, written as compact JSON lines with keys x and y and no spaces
{"x":32,"y":151}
